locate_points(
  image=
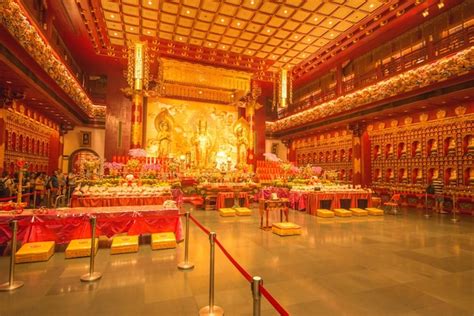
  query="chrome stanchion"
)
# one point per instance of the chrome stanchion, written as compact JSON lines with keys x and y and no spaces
{"x":256,"y":283}
{"x":12,"y":284}
{"x":186,"y":265}
{"x":427,"y":215}
{"x":454,"y":219}
{"x":92,"y":276}
{"x":211,"y":309}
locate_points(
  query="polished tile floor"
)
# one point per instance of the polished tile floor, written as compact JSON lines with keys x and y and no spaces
{"x":391,"y":265}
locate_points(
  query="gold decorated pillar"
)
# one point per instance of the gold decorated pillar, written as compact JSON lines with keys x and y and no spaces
{"x":137,"y":120}
{"x":138,"y":69}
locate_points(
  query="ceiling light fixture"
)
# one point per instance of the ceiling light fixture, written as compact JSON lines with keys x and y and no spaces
{"x":315,"y":19}
{"x":150,"y":2}
{"x":268,"y":31}
{"x":441,"y":5}
{"x":285,"y":12}
{"x":238,"y":23}
{"x":188,"y":12}
{"x":371,"y":5}
{"x":222,"y":20}
{"x":425,"y":13}
{"x":131,"y":28}
{"x":112,"y":16}
{"x":330,"y":22}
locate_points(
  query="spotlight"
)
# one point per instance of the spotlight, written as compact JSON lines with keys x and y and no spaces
{"x":425,"y":13}
{"x":441,"y":5}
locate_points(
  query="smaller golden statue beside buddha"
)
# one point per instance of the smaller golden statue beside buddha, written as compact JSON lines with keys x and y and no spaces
{"x":402,"y":151}
{"x":241,"y":132}
{"x":404,"y":176}
{"x":418,"y":177}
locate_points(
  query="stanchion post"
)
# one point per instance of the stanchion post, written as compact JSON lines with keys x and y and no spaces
{"x":34,"y":198}
{"x":454,"y":219}
{"x":92,"y":276}
{"x":427,"y":215}
{"x":211,"y":309}
{"x":12,"y":284}
{"x":256,"y":295}
{"x":186,"y":265}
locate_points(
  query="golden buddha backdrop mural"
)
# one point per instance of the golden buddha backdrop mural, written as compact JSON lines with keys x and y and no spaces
{"x":205,"y":135}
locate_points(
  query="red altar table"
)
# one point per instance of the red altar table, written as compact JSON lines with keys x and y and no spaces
{"x":222,"y":196}
{"x":298,"y":200}
{"x":105,"y":201}
{"x":63,"y":225}
{"x":314,"y":199}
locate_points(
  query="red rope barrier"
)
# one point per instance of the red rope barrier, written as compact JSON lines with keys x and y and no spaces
{"x":273,"y":301}
{"x":245,"y":274}
{"x":204,"y":229}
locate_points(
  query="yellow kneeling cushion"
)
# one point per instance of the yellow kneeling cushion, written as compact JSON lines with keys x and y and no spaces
{"x":163,"y":241}
{"x":80,"y":248}
{"x":35,"y":251}
{"x":342,"y":212}
{"x":358,"y":211}
{"x":243,"y":211}
{"x":124,"y":244}
{"x":226,"y":212}
{"x":286,"y":229}
{"x":321,"y":212}
{"x":374,"y":211}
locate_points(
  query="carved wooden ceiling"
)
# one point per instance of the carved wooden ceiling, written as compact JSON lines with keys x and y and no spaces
{"x":256,"y":35}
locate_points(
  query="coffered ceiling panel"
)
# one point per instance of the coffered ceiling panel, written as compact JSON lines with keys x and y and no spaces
{"x":283,"y":32}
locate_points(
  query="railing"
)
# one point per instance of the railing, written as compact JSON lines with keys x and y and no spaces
{"x":428,"y":53}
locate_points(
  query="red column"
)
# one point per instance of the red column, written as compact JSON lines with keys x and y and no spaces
{"x":366,"y":163}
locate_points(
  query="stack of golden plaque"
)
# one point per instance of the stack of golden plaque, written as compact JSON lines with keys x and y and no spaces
{"x":35,"y":251}
{"x":374,"y":211}
{"x":321,"y":212}
{"x":78,"y":248}
{"x":243,"y":211}
{"x":342,"y":212}
{"x":163,"y":241}
{"x":226,"y":212}
{"x":124,"y":244}
{"x":286,"y":229}
{"x":358,"y":211}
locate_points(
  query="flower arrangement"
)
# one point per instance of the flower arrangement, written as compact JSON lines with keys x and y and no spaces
{"x":133,"y":164}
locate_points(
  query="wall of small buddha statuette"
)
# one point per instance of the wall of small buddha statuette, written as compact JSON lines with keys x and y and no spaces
{"x":28,"y":136}
{"x":409,"y":152}
{"x":331,"y":151}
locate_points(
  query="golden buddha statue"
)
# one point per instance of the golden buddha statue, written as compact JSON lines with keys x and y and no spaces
{"x":419,"y":177}
{"x":434,"y":148}
{"x":417,"y":150}
{"x":389,"y":151}
{"x":404,"y":177}
{"x":453,"y":177}
{"x":451,"y":150}
{"x":403,"y":151}
{"x":470,"y":145}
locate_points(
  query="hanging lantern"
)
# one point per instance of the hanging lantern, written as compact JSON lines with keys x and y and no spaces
{"x":282,"y":89}
{"x":138,"y":66}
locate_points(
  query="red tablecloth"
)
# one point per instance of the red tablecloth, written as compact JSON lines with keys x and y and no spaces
{"x":298,"y":200}
{"x":104,"y":201}
{"x":222,"y":196}
{"x":314,"y":199}
{"x":63,"y":225}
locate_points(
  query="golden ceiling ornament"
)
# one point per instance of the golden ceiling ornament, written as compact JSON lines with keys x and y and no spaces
{"x":441,"y":114}
{"x":381,"y":125}
{"x":423,"y":117}
{"x":460,"y":110}
{"x":394,"y":123}
{"x":408,"y":120}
